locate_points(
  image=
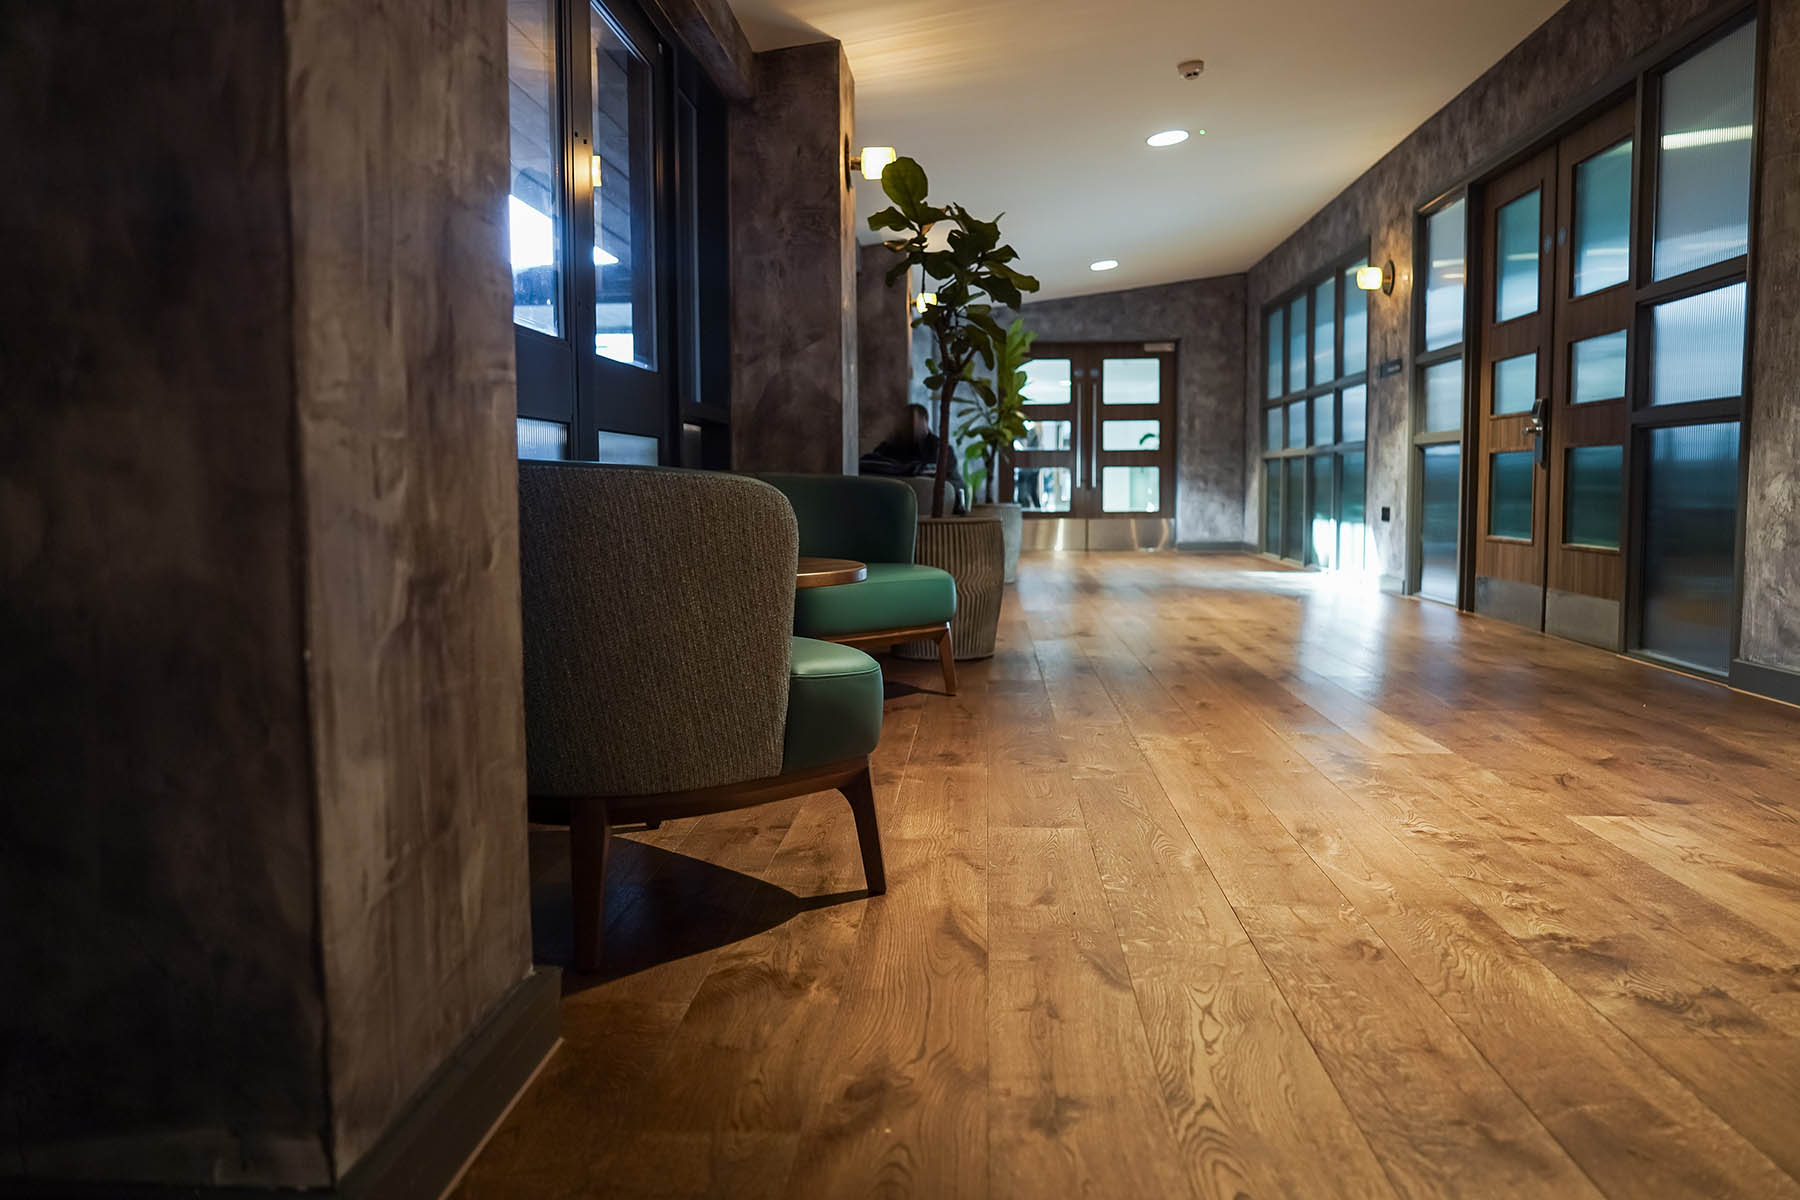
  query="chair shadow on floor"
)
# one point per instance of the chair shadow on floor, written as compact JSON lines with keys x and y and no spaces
{"x":661,"y":907}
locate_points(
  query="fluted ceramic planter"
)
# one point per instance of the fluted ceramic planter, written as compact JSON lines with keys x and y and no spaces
{"x":973,"y":550}
{"x":1012,"y":520}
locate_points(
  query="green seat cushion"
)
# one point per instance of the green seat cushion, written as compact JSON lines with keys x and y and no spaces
{"x":894,"y":596}
{"x":834,"y":704}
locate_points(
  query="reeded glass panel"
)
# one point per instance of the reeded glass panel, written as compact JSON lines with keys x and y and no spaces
{"x":1441,"y":504}
{"x":1273,"y":342}
{"x":1324,"y":315}
{"x":1703,"y":176}
{"x":1352,"y":536}
{"x":1272,"y":507}
{"x":1045,"y":435}
{"x":1516,"y":242}
{"x":1515,"y":384}
{"x":1597,"y":368}
{"x":1444,"y":396}
{"x":1591,"y":496}
{"x":1047,"y":381}
{"x":1131,"y":381}
{"x":1293,"y":509}
{"x":1697,"y":347}
{"x":1322,"y":550}
{"x":1601,"y":241}
{"x":626,"y":449}
{"x":543,"y":439}
{"x":1296,"y":425}
{"x":1130,"y":435}
{"x":1296,"y":322}
{"x":1272,"y":421}
{"x":1324,"y":422}
{"x":622,"y":175}
{"x":532,"y":212}
{"x":1690,"y":522}
{"x":1446,"y":244}
{"x":1041,"y":489}
{"x":1356,"y":414}
{"x":1130,"y":489}
{"x":1356,"y":325}
{"x":1509,"y":494}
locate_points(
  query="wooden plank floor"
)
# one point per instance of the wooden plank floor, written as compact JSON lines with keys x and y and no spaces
{"x":1219,"y":881}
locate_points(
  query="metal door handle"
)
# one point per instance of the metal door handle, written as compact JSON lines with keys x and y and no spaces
{"x":1537,"y":426}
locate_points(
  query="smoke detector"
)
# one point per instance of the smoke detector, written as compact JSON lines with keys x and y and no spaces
{"x":1193,"y":68}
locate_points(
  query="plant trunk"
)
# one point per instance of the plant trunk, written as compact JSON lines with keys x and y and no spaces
{"x":991,"y":465}
{"x":943,"y":461}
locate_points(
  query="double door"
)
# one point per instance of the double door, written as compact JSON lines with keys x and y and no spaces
{"x":1096,"y":466}
{"x":1552,"y":412}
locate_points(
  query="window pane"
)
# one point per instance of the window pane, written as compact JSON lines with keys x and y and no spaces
{"x":1131,"y":381}
{"x":1444,"y":396}
{"x":1591,"y":509}
{"x":1272,"y":419}
{"x":1273,"y":341}
{"x":1323,"y":550}
{"x":1442,"y":504}
{"x":543,"y":439}
{"x":1356,"y":325}
{"x":1041,"y":489}
{"x":1355,"y":418}
{"x":1047,"y":381}
{"x":1044,"y":435}
{"x":1296,"y":322}
{"x":1509,"y":494}
{"x":1296,"y":425}
{"x":1517,"y":248}
{"x":1446,"y":242}
{"x":1697,"y":347}
{"x":624,"y":200}
{"x":1293,"y":509}
{"x":1690,"y":521}
{"x":1131,"y":435}
{"x":1325,"y":331}
{"x":629,"y":449}
{"x":1515,"y":384}
{"x":1272,"y":507}
{"x":1703,"y":177}
{"x":1130,"y":489}
{"x":1598,"y":368}
{"x":532,"y":211}
{"x":1324,"y":422}
{"x":1351,"y":508}
{"x":1602,"y":255}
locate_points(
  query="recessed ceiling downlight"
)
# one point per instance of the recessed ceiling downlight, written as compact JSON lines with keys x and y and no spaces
{"x":1168,"y":137}
{"x":1105,"y":264}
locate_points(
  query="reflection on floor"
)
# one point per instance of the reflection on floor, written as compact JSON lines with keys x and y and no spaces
{"x":1216,"y":881}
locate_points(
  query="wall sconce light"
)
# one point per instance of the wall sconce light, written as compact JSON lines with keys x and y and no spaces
{"x":594,"y":171}
{"x":872,"y":161}
{"x":1371,"y":279}
{"x":924,"y":300}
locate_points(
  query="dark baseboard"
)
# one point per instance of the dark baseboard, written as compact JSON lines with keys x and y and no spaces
{"x":1216,"y":547}
{"x":1777,"y":683}
{"x":428,"y":1144}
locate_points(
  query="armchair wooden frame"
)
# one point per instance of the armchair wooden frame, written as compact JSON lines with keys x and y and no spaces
{"x":884,"y":638}
{"x":591,"y":819}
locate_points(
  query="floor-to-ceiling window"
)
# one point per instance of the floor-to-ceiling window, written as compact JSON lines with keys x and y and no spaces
{"x":1437,"y":395}
{"x":616,"y":232}
{"x":1314,"y":421}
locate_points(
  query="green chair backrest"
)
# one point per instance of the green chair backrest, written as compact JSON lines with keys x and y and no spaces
{"x":867,"y":518}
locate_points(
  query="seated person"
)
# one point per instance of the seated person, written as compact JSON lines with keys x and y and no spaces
{"x":914,"y":451}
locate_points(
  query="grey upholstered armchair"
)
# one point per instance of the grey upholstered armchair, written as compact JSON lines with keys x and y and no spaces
{"x":661,"y":677}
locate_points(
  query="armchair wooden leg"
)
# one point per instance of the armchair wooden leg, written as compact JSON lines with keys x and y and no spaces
{"x":860,"y":792}
{"x":947,"y":658}
{"x":590,"y":846}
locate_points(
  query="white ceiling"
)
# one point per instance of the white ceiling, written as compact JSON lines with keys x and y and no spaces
{"x":1040,"y":108}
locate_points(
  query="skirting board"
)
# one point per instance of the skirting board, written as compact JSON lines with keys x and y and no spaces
{"x":1776,"y":683}
{"x":425,"y":1148}
{"x":1216,"y":547}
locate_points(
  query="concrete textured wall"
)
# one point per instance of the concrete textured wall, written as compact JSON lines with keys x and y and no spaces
{"x":793,"y":266}
{"x":1205,"y":317}
{"x":1571,"y":53}
{"x":884,"y":346}
{"x":263,"y":849}
{"x":1771,"y":620}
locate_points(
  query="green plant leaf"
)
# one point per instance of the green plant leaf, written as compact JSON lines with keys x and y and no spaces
{"x":905,"y":184}
{"x":889,"y":218}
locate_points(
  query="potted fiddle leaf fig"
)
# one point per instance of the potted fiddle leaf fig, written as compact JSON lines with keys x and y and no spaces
{"x":970,"y":271}
{"x":995,"y":421}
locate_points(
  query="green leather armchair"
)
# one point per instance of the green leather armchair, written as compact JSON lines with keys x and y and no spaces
{"x":662,"y":677}
{"x":876,"y":521}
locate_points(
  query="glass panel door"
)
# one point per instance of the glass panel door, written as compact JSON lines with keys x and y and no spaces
{"x":1043,"y":461}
